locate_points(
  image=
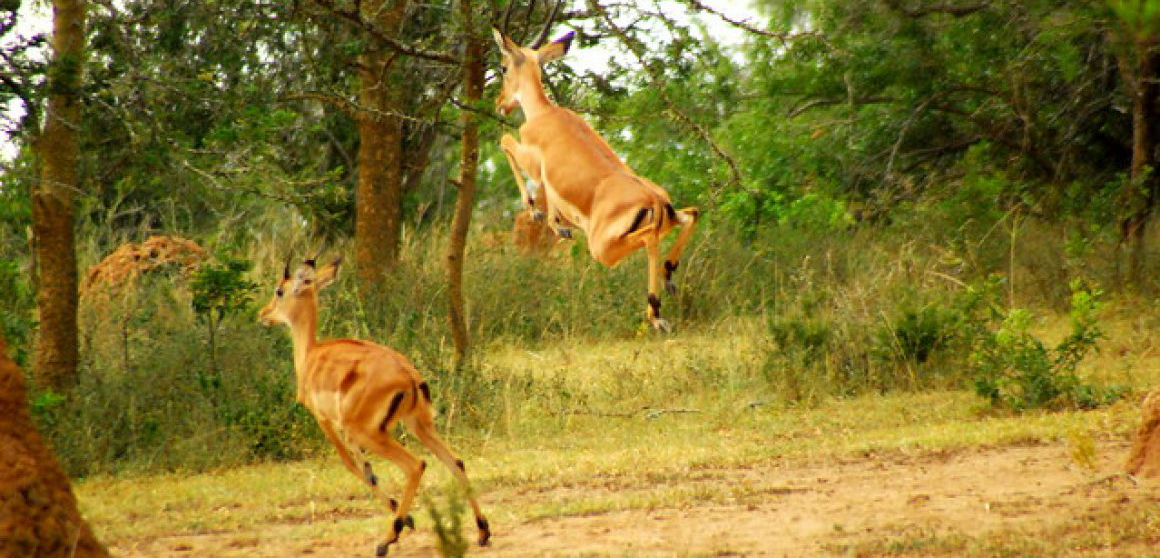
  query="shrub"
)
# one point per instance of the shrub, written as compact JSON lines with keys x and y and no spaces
{"x":220,"y":290}
{"x":448,"y":525}
{"x":1015,"y":370}
{"x":916,"y":335}
{"x":16,"y":303}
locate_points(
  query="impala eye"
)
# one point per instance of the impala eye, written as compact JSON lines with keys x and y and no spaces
{"x":306,"y":282}
{"x":278,"y":293}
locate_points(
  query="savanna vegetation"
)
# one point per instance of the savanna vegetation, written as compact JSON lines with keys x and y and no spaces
{"x":926,"y":224}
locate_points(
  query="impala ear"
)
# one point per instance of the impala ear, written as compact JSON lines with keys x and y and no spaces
{"x":303,"y":278}
{"x":555,"y":49}
{"x":327,"y":274}
{"x":507,"y":47}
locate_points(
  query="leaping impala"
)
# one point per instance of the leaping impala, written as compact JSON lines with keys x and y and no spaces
{"x":586,"y":184}
{"x":358,"y":391}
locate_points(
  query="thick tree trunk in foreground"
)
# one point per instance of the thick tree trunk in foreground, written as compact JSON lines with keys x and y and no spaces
{"x":473,"y":77}
{"x":52,"y":203}
{"x":379,"y":196}
{"x":38,"y":511}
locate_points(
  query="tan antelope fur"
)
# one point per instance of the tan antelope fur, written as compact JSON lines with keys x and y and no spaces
{"x":358,"y":391}
{"x":585,"y":182}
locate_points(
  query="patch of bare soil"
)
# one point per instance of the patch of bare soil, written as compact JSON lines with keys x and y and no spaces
{"x":781,"y":509}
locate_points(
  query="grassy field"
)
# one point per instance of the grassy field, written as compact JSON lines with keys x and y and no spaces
{"x":656,"y":436}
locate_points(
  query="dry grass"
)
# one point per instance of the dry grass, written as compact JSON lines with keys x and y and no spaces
{"x":629,"y":425}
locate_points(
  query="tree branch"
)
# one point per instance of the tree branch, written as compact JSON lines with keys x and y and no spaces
{"x":636,"y":49}
{"x":485,"y":113}
{"x":355,"y":18}
{"x":814,"y":103}
{"x":348,"y":106}
{"x":943,"y":8}
{"x":785,"y":38}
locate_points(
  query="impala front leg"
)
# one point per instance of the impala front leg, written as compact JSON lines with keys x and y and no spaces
{"x":519,"y":160}
{"x":687,"y":220}
{"x":654,"y":273}
{"x":413,"y":469}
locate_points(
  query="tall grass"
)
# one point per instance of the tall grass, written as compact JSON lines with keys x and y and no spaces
{"x":789,"y":318}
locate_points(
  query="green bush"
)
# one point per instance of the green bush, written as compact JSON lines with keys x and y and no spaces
{"x":916,"y":335}
{"x":1015,"y":370}
{"x":16,"y":305}
{"x":448,"y":525}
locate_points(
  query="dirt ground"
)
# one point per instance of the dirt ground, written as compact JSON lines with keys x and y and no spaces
{"x":783,"y":509}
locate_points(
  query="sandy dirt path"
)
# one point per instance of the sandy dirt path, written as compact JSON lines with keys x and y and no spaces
{"x":782,"y":509}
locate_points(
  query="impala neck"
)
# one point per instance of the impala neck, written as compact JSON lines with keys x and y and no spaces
{"x":302,"y":337}
{"x":533,"y":100}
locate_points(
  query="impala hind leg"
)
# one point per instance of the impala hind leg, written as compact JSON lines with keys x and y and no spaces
{"x":653,"y":247}
{"x":412,"y":468}
{"x":687,"y":219}
{"x":352,"y":455}
{"x":423,"y":426}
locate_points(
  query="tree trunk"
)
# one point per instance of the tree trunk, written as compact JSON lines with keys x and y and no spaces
{"x":1139,"y":62}
{"x":38,"y":511}
{"x":379,"y":196}
{"x":473,"y":77}
{"x":52,"y":203}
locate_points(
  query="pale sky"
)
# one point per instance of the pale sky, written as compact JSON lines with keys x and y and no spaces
{"x":36,"y":18}
{"x":595,"y":57}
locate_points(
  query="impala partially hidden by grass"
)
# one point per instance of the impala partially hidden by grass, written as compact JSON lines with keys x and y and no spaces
{"x":358,"y":391}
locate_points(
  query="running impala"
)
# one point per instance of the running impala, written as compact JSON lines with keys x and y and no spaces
{"x":358,"y":391}
{"x":586,"y":184}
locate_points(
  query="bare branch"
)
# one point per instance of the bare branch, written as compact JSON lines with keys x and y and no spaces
{"x":355,"y":18}
{"x":341,"y":103}
{"x":548,"y":25}
{"x":348,"y":106}
{"x":484,"y":113}
{"x":943,"y":8}
{"x":814,"y":103}
{"x":527,"y":21}
{"x":785,"y":38}
{"x":507,"y":18}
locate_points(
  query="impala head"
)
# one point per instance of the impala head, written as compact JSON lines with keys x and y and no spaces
{"x":521,"y":66}
{"x":298,"y":292}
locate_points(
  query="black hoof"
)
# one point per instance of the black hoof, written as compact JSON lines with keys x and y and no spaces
{"x":409,"y":522}
{"x":381,"y":550}
{"x":537,"y":215}
{"x":671,"y":288}
{"x":484,"y":531}
{"x":565,"y":233}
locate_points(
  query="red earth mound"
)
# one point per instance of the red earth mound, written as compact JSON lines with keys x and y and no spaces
{"x":1144,"y":457}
